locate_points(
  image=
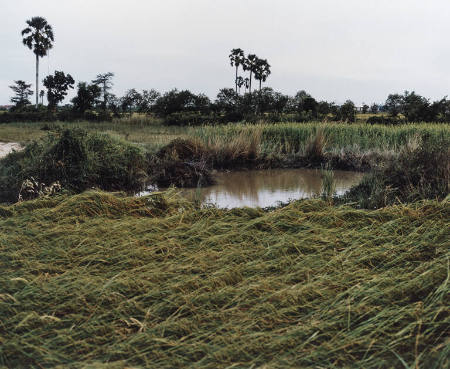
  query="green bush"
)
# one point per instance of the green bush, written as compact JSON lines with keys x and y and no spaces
{"x":77,"y":160}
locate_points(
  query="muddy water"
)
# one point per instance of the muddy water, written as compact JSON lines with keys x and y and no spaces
{"x":262,"y":188}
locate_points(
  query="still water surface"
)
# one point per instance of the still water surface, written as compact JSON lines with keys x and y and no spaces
{"x":262,"y":188}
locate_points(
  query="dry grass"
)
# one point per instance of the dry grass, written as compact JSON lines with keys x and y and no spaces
{"x":102,"y":281}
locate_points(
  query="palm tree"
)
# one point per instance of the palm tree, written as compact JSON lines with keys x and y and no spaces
{"x":246,"y":83}
{"x":237,"y":58}
{"x":262,"y":71}
{"x":240,"y":82}
{"x":250,"y":64}
{"x":39,"y":38}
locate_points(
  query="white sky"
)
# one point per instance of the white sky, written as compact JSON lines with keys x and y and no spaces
{"x":334,"y":49}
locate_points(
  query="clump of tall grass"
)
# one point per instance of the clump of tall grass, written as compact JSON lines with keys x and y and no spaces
{"x":421,"y":171}
{"x":102,"y":280}
{"x":328,"y":184}
{"x":238,"y":150}
{"x":315,"y":147}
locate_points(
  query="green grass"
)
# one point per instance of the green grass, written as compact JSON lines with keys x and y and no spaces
{"x":291,"y":137}
{"x":102,"y":281}
{"x":280,"y":137}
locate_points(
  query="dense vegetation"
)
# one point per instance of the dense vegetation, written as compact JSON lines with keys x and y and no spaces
{"x":97,"y":280}
{"x":77,"y":160}
{"x":410,"y":162}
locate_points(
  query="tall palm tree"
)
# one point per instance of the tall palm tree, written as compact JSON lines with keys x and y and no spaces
{"x":250,"y":64}
{"x":38,"y":36}
{"x":262,"y":71}
{"x":236,"y":58}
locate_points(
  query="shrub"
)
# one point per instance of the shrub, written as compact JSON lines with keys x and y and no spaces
{"x":77,"y":160}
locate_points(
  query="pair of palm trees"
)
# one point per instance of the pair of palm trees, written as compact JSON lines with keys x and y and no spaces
{"x":38,"y":36}
{"x":258,"y":68}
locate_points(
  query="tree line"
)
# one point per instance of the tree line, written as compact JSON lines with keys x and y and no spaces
{"x":94,"y":98}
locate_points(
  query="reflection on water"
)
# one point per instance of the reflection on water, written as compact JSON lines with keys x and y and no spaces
{"x":262,"y":188}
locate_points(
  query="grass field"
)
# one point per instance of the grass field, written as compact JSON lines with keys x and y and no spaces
{"x":100,"y":281}
{"x":281,"y":138}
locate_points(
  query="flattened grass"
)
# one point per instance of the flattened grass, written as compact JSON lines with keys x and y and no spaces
{"x":100,"y":280}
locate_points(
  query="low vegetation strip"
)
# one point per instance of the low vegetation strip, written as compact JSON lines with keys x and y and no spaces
{"x":102,"y":280}
{"x":291,"y":137}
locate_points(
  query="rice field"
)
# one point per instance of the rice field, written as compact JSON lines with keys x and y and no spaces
{"x":280,"y":138}
{"x":100,"y":280}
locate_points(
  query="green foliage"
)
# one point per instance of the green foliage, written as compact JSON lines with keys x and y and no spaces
{"x":87,"y":97}
{"x":38,"y":36}
{"x":97,"y":280}
{"x":77,"y":160}
{"x":104,"y":81}
{"x":22,"y":91}
{"x":347,"y":112}
{"x":181,"y":101}
{"x":57,"y":87}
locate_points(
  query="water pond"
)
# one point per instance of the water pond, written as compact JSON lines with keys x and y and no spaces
{"x":263,"y":188}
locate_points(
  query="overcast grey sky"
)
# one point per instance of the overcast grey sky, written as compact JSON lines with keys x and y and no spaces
{"x":334,"y":49}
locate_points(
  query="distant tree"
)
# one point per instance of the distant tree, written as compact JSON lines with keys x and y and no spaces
{"x":130,"y":100}
{"x":41,"y":95}
{"x":147,"y":100}
{"x":237,"y":59}
{"x":57,"y":87}
{"x":365,"y":108}
{"x":38,"y":36}
{"x":441,"y":110}
{"x":279,"y":102}
{"x":394,"y":104}
{"x":261,"y":71}
{"x":417,"y":108}
{"x":305,"y":103}
{"x":22,"y":91}
{"x":87,"y":97}
{"x":324,"y":108}
{"x":347,"y":111}
{"x":114,"y":104}
{"x":250,"y":64}
{"x":227,"y":101}
{"x":374,"y":109}
{"x":270,"y":101}
{"x":240,"y":82}
{"x":176,"y":101}
{"x":104,"y":81}
{"x":247,"y":83}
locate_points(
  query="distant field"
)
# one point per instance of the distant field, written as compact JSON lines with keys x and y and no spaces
{"x":279,"y":138}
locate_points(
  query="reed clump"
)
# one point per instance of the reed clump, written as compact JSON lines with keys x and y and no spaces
{"x":103,"y":280}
